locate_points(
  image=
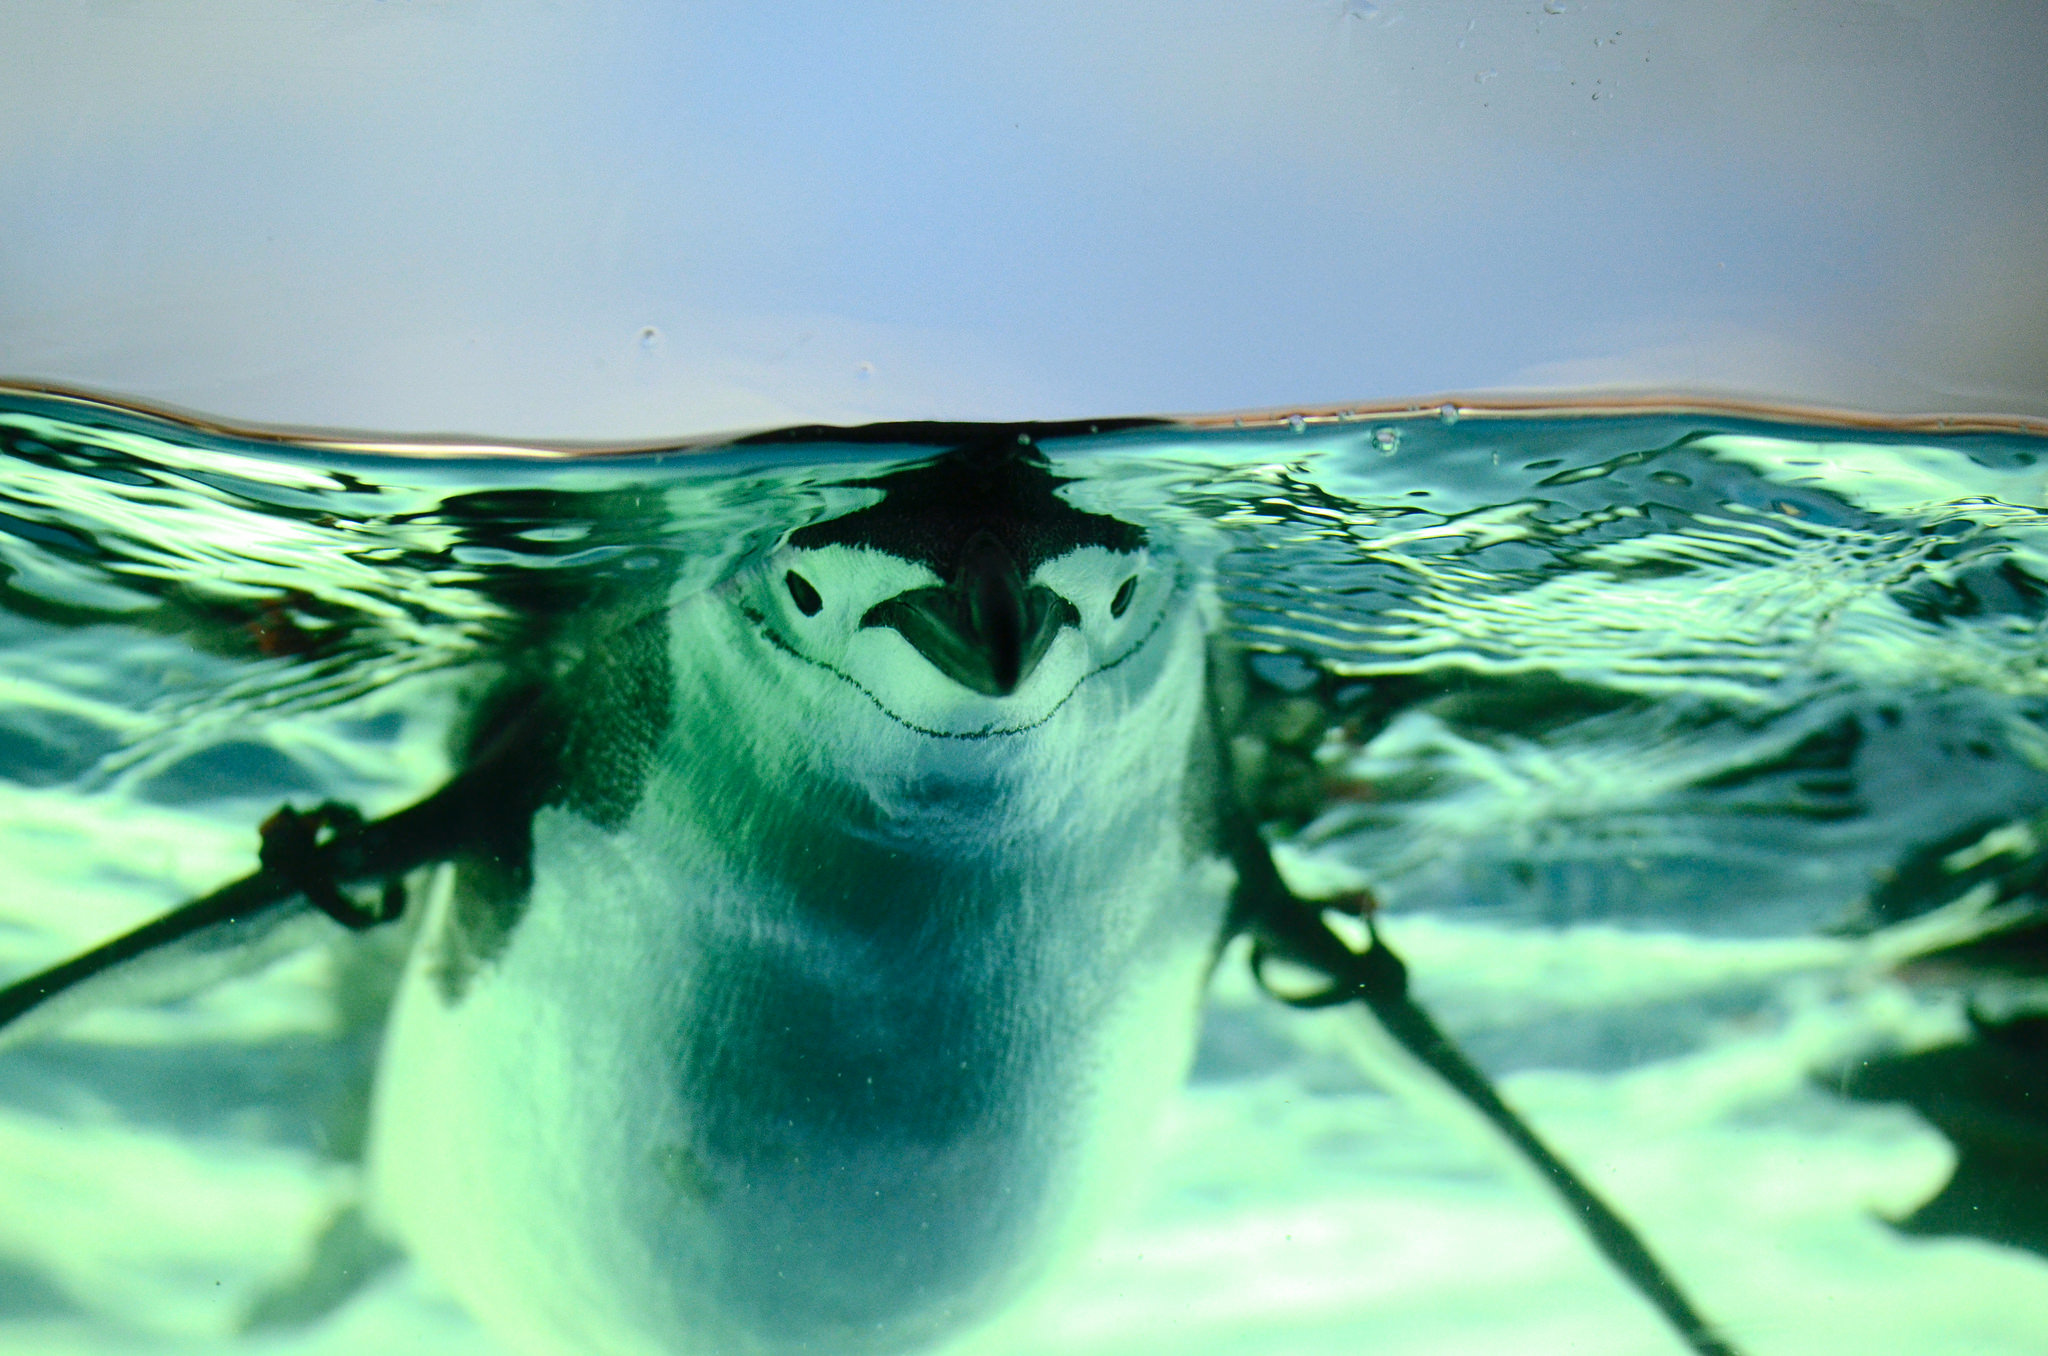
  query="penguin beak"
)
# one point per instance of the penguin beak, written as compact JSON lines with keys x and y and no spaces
{"x":985,"y":630}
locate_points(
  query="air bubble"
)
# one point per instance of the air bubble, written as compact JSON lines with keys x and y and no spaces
{"x":1296,"y":422}
{"x":1555,"y":6}
{"x":1486,"y":75}
{"x":1387,"y":439}
{"x":558,"y":532}
{"x":650,"y":337}
{"x":1447,"y":412}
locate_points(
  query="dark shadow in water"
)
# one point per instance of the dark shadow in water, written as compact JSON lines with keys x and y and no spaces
{"x":1988,"y":1096}
{"x":24,"y":1294}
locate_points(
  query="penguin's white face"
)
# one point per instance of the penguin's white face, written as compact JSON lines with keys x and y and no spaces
{"x":932,"y":658}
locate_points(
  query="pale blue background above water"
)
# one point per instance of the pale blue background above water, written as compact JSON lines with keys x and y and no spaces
{"x":617,"y":219}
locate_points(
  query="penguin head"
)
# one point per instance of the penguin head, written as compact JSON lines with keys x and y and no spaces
{"x":970,"y":599}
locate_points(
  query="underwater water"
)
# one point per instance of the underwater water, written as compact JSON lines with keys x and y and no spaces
{"x":1698,"y":762}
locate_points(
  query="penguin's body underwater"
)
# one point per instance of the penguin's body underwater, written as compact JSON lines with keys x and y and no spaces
{"x":828,"y":1000}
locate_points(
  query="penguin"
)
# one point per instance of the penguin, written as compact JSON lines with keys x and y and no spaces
{"x":860,"y":936}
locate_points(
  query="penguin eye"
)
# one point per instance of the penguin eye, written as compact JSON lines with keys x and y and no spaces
{"x":1122,"y":601}
{"x":802,"y":594}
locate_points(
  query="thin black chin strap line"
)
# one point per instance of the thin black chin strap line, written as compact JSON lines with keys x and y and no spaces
{"x":1286,"y":927}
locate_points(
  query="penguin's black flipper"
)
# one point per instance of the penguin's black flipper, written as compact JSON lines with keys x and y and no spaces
{"x":315,"y":867}
{"x":1288,"y":928}
{"x":235,"y":929}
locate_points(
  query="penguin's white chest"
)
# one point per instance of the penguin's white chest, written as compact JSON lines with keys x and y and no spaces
{"x":843,"y":1097}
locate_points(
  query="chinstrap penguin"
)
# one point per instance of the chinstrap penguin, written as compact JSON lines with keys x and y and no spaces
{"x":861,"y":933}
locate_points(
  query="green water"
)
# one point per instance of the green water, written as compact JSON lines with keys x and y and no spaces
{"x":1667,"y":741}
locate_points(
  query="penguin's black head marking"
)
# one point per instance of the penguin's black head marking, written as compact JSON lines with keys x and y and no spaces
{"x":1002,"y":490}
{"x":986,"y":582}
